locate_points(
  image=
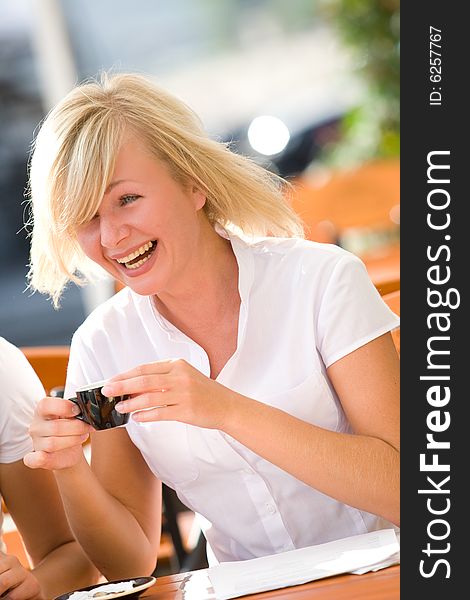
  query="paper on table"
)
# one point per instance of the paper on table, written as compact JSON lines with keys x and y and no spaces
{"x":359,"y":554}
{"x":381,"y":564}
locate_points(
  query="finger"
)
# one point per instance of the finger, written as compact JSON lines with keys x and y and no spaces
{"x":41,"y":460}
{"x":55,"y":444}
{"x":27,"y":589}
{"x":144,"y":402}
{"x":60,"y":428}
{"x":150,"y":382}
{"x":159,"y":367}
{"x":159,"y":413}
{"x":7,"y":563}
{"x":52,"y":461}
{"x":53,"y":408}
{"x":12,"y":576}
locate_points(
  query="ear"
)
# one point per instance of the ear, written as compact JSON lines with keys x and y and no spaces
{"x":199,"y":197}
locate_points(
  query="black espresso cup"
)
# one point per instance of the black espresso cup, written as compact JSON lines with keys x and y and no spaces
{"x":98,"y":410}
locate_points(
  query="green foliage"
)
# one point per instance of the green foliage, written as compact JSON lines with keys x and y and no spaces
{"x":371,"y":29}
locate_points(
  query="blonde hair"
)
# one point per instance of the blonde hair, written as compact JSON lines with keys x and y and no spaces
{"x":73,"y":161}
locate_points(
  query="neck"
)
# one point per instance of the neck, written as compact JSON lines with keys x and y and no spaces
{"x":210,"y":288}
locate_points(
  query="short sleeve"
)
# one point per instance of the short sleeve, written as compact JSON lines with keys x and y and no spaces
{"x":20,"y":392}
{"x":82,"y":366}
{"x":351,"y":313}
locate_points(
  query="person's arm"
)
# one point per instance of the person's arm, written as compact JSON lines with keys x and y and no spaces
{"x":58,"y":562}
{"x":114,"y":506}
{"x":360,"y":469}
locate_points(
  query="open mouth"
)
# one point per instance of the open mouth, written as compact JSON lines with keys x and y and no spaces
{"x":139,"y":256}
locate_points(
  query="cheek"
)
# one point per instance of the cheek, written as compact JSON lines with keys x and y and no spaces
{"x":88,"y":240}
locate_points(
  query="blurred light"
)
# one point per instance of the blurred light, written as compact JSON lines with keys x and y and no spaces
{"x":268,"y":135}
{"x":325,"y":232}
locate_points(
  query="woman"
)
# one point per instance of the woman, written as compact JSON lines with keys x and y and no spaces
{"x":58,"y":561}
{"x":264,"y":381}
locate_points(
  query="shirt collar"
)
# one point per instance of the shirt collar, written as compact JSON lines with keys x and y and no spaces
{"x":244,"y":257}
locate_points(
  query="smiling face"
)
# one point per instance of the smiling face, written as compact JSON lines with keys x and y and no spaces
{"x":148,"y":225}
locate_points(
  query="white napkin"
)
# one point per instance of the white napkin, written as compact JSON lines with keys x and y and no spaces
{"x":356,"y":554}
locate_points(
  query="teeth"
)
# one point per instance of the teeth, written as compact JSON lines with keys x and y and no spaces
{"x":138,"y":263}
{"x":135,"y":254}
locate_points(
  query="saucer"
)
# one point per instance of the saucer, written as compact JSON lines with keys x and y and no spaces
{"x":139,"y":585}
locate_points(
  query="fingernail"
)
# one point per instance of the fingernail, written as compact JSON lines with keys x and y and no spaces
{"x":106,"y":390}
{"x":120,"y":407}
{"x":75,"y":410}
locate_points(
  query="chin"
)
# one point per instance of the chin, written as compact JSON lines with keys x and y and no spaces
{"x":144,"y":288}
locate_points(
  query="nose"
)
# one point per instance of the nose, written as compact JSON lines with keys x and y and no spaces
{"x":112,"y":231}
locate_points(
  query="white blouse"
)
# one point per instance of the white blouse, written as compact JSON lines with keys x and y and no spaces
{"x":304,"y":306}
{"x":19,"y":393}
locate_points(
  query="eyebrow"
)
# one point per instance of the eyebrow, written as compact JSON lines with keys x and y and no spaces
{"x":113,"y":184}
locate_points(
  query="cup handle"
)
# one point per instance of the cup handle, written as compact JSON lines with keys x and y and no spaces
{"x":80,"y":415}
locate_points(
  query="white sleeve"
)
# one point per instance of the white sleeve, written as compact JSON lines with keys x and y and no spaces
{"x":19,"y":394}
{"x":83,"y":367}
{"x":351,"y":312}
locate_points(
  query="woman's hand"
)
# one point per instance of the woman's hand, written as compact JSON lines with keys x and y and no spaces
{"x":172,"y":390}
{"x":57,"y":436}
{"x":16,"y":582}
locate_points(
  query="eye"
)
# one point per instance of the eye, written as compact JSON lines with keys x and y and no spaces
{"x":128,"y":199}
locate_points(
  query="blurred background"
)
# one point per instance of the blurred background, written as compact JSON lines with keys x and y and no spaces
{"x":307,"y":88}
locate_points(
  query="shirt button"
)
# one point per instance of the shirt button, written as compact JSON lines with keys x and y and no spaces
{"x":271,"y":509}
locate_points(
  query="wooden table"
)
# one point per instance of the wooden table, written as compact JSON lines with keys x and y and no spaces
{"x":195,"y":585}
